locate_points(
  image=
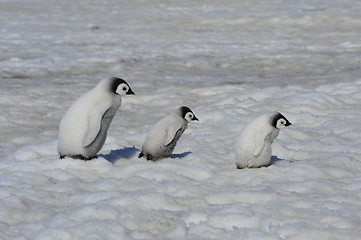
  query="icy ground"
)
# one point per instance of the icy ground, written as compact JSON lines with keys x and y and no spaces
{"x":229,"y":61}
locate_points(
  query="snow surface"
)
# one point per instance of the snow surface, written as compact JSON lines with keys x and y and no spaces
{"x":229,"y":61}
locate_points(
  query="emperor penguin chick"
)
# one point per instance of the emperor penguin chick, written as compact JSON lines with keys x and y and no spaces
{"x":254,"y":146}
{"x":83,"y":129}
{"x":162,"y":139}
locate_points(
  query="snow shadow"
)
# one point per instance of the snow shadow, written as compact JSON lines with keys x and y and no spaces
{"x":114,"y":155}
{"x":180,"y":155}
{"x":274,"y":160}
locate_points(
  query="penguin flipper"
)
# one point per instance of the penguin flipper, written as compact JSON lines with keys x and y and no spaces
{"x":173,"y":135}
{"x":94,"y":122}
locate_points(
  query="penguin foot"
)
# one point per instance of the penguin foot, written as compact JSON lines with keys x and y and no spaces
{"x":61,"y":156}
{"x":239,"y":166}
{"x":95,"y":157}
{"x":148,"y":156}
{"x":81,"y":157}
{"x":252,"y":167}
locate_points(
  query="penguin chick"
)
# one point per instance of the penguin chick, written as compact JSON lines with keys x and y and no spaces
{"x":162,"y":139}
{"x":83,"y":128}
{"x":254,"y":146}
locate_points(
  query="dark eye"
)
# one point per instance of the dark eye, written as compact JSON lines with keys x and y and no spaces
{"x":124,"y":89}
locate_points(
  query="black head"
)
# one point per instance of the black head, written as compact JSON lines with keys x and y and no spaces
{"x":120,"y":87}
{"x":279,"y":121}
{"x":187,"y":114}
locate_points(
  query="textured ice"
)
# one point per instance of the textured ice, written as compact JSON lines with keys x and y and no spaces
{"x":229,"y":61}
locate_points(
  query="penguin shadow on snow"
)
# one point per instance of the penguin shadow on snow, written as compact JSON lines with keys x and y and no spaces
{"x":280,"y":161}
{"x":115,"y":155}
{"x":274,"y":160}
{"x":172,"y":156}
{"x":180,"y":155}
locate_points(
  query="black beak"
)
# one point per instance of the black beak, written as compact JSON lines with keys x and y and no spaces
{"x":130,"y":92}
{"x":288,"y":124}
{"x":195,"y":118}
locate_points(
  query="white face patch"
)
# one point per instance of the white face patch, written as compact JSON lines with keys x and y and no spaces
{"x":189,"y":116}
{"x":122,"y":89}
{"x":281,"y":123}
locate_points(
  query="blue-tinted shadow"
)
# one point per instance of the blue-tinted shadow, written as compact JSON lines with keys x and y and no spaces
{"x":275,"y":159}
{"x":180,"y":155}
{"x":115,"y":155}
